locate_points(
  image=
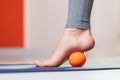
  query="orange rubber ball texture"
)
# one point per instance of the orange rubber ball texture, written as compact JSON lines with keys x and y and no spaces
{"x":77,"y":59}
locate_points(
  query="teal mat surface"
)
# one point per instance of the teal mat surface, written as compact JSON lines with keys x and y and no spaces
{"x":17,"y":68}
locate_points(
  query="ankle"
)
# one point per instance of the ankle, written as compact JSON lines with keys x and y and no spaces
{"x":72,"y":30}
{"x":77,"y":31}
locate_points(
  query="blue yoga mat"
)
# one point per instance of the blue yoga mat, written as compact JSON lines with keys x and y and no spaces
{"x":17,"y":68}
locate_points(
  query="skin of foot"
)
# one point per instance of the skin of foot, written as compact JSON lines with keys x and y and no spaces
{"x":74,"y":39}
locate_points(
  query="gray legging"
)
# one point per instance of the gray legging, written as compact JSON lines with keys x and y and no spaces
{"x":79,"y":14}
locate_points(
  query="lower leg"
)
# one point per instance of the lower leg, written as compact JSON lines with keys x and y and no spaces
{"x":77,"y":34}
{"x":79,"y":12}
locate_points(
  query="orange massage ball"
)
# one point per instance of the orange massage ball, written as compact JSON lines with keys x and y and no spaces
{"x":77,"y":59}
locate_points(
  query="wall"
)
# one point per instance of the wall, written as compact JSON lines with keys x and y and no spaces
{"x":44,"y":22}
{"x":105,"y":27}
{"x":48,"y":18}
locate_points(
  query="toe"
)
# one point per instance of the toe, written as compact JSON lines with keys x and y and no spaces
{"x":39,"y":63}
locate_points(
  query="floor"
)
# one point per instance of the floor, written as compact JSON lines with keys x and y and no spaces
{"x":11,"y":57}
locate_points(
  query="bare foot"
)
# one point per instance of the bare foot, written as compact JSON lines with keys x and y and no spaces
{"x":73,"y":39}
